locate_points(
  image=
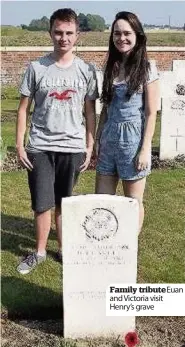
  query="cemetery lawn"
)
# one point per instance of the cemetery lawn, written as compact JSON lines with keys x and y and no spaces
{"x":161,"y":250}
{"x":38,"y":296}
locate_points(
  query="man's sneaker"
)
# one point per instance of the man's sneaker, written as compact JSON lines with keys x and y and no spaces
{"x":59,"y":256}
{"x":29,"y":263}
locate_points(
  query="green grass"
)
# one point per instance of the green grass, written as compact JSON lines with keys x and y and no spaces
{"x":10,"y":92}
{"x":160,"y":244}
{"x":9,"y":108}
{"x":19,"y":37}
{"x":161,"y":250}
{"x":9,"y":105}
{"x":39,"y":289}
{"x":156,"y":137}
{"x":8,"y":125}
{"x":10,"y":30}
{"x":8,"y":133}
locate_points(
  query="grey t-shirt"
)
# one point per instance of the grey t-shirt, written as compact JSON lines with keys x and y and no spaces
{"x":57,"y":121}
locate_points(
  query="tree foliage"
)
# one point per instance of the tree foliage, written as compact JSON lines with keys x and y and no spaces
{"x":37,"y":24}
{"x":90,"y":22}
{"x":95,"y":23}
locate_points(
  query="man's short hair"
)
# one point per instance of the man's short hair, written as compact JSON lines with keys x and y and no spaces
{"x":65,"y":15}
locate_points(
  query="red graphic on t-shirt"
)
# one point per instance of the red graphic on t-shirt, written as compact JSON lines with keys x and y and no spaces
{"x":64,"y":95}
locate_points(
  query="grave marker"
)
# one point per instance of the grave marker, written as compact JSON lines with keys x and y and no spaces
{"x":100,"y":236}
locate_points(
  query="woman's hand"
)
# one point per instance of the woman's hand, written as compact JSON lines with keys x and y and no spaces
{"x":142,"y":160}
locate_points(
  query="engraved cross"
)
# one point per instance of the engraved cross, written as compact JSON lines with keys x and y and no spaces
{"x":177,"y":136}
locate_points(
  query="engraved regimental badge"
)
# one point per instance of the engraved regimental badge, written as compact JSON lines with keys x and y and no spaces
{"x":100,"y":224}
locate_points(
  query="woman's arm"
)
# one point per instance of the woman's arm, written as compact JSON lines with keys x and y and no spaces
{"x":151,"y":104}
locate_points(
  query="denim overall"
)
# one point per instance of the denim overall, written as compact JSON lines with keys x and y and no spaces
{"x":122,"y":136}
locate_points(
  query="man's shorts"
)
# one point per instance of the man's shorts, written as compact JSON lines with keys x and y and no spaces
{"x":53,"y":177}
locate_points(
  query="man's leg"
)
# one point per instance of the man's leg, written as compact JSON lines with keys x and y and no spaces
{"x":41,"y":184}
{"x":43,"y":225}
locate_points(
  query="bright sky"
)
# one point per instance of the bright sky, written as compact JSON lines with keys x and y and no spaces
{"x":150,"y":12}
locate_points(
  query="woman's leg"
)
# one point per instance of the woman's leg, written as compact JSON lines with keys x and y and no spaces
{"x":135,"y":189}
{"x":106,"y":184}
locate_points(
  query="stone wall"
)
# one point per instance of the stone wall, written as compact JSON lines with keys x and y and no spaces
{"x":15,"y":59}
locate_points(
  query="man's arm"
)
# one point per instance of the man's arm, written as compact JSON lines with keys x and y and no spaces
{"x":102,"y":120}
{"x":90,"y":116}
{"x":23,"y":110}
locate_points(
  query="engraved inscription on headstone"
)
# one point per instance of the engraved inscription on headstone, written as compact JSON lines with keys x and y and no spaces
{"x":171,"y":84}
{"x":100,"y":235}
{"x":178,"y":104}
{"x":180,"y":90}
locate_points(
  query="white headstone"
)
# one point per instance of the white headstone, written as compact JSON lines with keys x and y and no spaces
{"x":172,"y":139}
{"x":170,"y":82}
{"x":99,"y":75}
{"x":178,"y":65}
{"x":99,"y":248}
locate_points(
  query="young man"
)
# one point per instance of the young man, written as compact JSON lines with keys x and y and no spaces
{"x":63,"y":87}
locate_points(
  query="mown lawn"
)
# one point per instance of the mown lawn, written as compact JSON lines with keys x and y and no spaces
{"x":160,"y":257}
{"x":161,"y":244}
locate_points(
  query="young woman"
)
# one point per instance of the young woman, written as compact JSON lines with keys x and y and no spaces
{"x":127,"y":121}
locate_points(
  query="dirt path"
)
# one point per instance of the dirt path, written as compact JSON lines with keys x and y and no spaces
{"x":152,"y":331}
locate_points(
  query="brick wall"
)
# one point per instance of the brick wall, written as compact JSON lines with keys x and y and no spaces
{"x":15,"y":59}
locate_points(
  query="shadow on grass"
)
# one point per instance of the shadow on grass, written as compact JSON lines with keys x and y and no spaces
{"x":18,"y":234}
{"x":11,"y":149}
{"x":40,"y":303}
{"x":155,"y":150}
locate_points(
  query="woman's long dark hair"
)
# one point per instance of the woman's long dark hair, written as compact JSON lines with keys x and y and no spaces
{"x":136,"y":66}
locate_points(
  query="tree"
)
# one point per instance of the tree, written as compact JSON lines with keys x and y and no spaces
{"x":82,"y":22}
{"x":44,"y":23}
{"x":37,"y":24}
{"x":95,"y":23}
{"x":24,"y":27}
{"x":91,"y":22}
